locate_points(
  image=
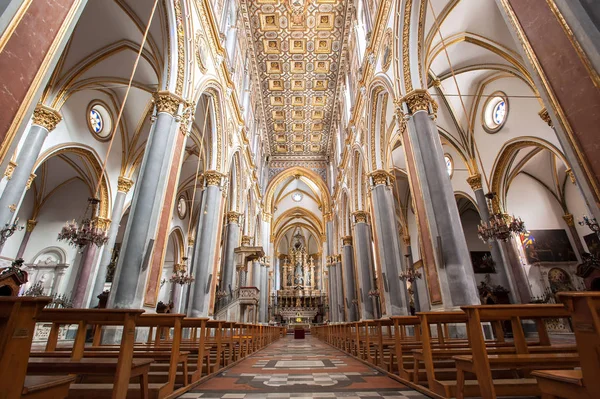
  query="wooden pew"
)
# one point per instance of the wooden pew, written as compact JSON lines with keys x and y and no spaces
{"x":122,"y":368}
{"x":17,"y":324}
{"x":584,"y":383}
{"x":481,"y":362}
{"x":198,"y":331}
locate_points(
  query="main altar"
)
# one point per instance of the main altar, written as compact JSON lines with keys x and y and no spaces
{"x":299,"y":302}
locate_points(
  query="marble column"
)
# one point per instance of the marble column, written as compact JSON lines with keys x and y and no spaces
{"x":232,"y":240}
{"x":205,"y":250}
{"x":123,"y":186}
{"x":185,"y":290}
{"x":570,"y":221}
{"x":86,"y":264}
{"x":44,"y":121}
{"x":28,"y":230}
{"x":388,"y":241}
{"x":349,"y":279}
{"x":333,"y":296}
{"x":339,"y":282}
{"x":132,"y":268}
{"x":414,"y":285}
{"x":264,"y":294}
{"x":503,"y":270}
{"x":364,"y":262}
{"x":451,"y":254}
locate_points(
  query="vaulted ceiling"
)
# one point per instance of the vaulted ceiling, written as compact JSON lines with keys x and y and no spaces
{"x":298,"y":48}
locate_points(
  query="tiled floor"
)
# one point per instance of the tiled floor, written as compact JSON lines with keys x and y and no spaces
{"x":302,"y":369}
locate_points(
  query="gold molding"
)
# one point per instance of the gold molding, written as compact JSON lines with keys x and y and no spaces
{"x":420,"y":100}
{"x":213,"y":178}
{"x":381,"y":177}
{"x":233,"y":217}
{"x":31,"y":223}
{"x":46,"y":117}
{"x":102,"y":223}
{"x":29,"y":181}
{"x":10,"y":168}
{"x":569,"y":219}
{"x":124,"y":184}
{"x":347,"y":240}
{"x":360,"y":217}
{"x":167,"y":102}
{"x":475,"y":182}
{"x":245,"y":241}
{"x":546,"y":117}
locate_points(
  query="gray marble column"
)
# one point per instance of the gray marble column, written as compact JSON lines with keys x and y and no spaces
{"x":44,"y":121}
{"x":364,"y":262}
{"x":453,"y":261}
{"x":232,"y":241}
{"x":205,"y":249}
{"x":340,"y":289}
{"x":503,"y":269}
{"x":390,"y":250}
{"x":349,"y":279}
{"x":333,"y":302}
{"x":123,"y":187}
{"x":82,"y":281}
{"x":264,"y":294}
{"x":132,"y":267}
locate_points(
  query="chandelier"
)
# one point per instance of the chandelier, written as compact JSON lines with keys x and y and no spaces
{"x":180,"y":275}
{"x":411,"y":275}
{"x":374,"y":293}
{"x":86,"y":231}
{"x":500,"y":226}
{"x":8,"y":230}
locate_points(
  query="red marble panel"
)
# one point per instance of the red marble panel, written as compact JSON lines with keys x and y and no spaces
{"x":24,"y":55}
{"x":566,"y":73}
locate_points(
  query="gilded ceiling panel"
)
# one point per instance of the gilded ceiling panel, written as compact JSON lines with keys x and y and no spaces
{"x":298,"y":47}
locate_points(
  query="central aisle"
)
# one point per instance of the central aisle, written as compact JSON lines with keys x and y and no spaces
{"x":305,"y":368}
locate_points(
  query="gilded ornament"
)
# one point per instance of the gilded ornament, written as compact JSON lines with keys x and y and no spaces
{"x":233,"y":217}
{"x":213,"y":178}
{"x":380,"y":177}
{"x":475,"y":182}
{"x":245,"y":241}
{"x":124,"y":184}
{"x":102,"y":223}
{"x":569,"y":219}
{"x":12,"y":207}
{"x":10,"y":169}
{"x":545,"y":117}
{"x":31,"y":223}
{"x":347,"y":240}
{"x":30,"y":180}
{"x":191,"y":241}
{"x":168,"y":102}
{"x":420,"y":100}
{"x":360,"y":217}
{"x":46,"y":117}
{"x":571,"y":175}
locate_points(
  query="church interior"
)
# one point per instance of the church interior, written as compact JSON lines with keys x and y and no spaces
{"x":299,"y":198}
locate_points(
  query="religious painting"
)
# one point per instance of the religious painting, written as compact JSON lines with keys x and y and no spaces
{"x":324,"y":21}
{"x":298,"y":138}
{"x":297,"y":46}
{"x":276,"y":85}
{"x":318,"y":114}
{"x":315,"y":148}
{"x":386,"y":56}
{"x":298,"y":85}
{"x":298,"y":148}
{"x":482,"y":262}
{"x":279,"y":115}
{"x":298,"y":101}
{"x":269,"y":22}
{"x":201,"y":51}
{"x":279,"y":126}
{"x":315,"y":137}
{"x":320,"y":84}
{"x":559,"y":280}
{"x":273,"y":67}
{"x":548,"y":246}
{"x":280,"y":138}
{"x":298,"y":114}
{"x":281,"y":148}
{"x":319,"y":101}
{"x":277,"y":101}
{"x":298,"y":127}
{"x":271,"y":46}
{"x":322,"y":67}
{"x":298,"y":67}
{"x":317,"y":127}
{"x":322,"y":46}
{"x":593,"y":243}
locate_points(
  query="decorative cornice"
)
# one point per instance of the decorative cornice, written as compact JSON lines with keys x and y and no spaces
{"x":46,"y":117}
{"x":168,"y":102}
{"x":571,"y":175}
{"x":124,"y":184}
{"x":360,"y":217}
{"x":569,"y":219}
{"x":328,"y":217}
{"x":233,"y":217}
{"x":10,"y":169}
{"x":31,"y":223}
{"x":380,"y":177}
{"x":347,"y":240}
{"x":191,"y":241}
{"x":475,"y":182}
{"x":245,"y":241}
{"x":546,"y":117}
{"x":420,"y":100}
{"x":29,"y":181}
{"x":213,"y":178}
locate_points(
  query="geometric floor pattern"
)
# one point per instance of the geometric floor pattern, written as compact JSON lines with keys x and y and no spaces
{"x":301,"y":369}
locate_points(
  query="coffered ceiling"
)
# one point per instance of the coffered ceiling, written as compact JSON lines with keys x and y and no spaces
{"x":298,"y":48}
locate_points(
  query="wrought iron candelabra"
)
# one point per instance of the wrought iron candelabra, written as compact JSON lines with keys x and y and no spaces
{"x":500,"y":226}
{"x":591,"y":223}
{"x":8,"y":230}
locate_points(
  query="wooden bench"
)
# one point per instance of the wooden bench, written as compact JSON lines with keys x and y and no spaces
{"x":17,"y":323}
{"x":584,"y":308}
{"x":481,"y":363}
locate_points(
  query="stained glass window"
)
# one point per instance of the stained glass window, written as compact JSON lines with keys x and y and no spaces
{"x":96,"y":121}
{"x":297,"y":196}
{"x":449,"y":164}
{"x":499,"y":112}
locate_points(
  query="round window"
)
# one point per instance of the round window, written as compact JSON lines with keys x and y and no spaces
{"x":495,"y":112}
{"x":449,"y":164}
{"x":297,"y":196}
{"x":181,"y":207}
{"x":99,"y":120}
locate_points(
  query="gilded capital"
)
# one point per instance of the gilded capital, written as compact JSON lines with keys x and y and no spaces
{"x":168,"y":102}
{"x":328,"y":217}
{"x":245,"y":241}
{"x":124,"y":184}
{"x":191,"y":241}
{"x":380,"y":177}
{"x":46,"y":117}
{"x":569,"y":219}
{"x":347,"y":240}
{"x":213,"y":178}
{"x":31,"y":223}
{"x":475,"y":182}
{"x":420,"y":100}
{"x":233,"y":217}
{"x":102,"y":223}
{"x":545,"y":117}
{"x":30,"y":180}
{"x":360,"y":217}
{"x":10,"y":169}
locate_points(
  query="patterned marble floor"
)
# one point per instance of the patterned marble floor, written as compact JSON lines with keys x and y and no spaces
{"x":301,"y":369}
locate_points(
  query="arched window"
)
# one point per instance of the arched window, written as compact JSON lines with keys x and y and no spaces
{"x":449,"y":164}
{"x":495,"y":112}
